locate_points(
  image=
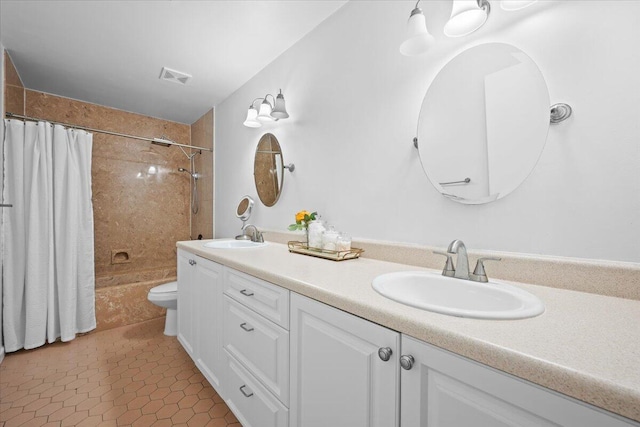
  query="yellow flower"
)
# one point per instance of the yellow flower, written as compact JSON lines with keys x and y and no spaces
{"x":300,"y":216}
{"x":302,"y":220}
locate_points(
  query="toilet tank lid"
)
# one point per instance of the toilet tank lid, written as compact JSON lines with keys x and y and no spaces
{"x":166,"y":288}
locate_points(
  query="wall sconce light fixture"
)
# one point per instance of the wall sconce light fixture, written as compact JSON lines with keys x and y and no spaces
{"x":516,"y":4}
{"x":466,"y":17}
{"x":418,"y":40}
{"x":267,"y":111}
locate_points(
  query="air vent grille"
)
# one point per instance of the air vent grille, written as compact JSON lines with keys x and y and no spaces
{"x":174,"y":76}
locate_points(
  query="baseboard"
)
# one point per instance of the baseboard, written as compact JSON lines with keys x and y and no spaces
{"x":1,"y":354}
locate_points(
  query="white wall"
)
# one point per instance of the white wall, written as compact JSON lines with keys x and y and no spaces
{"x":354,"y":103}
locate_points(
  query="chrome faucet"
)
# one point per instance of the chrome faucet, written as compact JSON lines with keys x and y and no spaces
{"x":461,"y":270}
{"x":256,"y":236}
{"x":462,"y":261}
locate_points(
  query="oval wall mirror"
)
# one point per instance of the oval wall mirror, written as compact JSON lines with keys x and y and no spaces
{"x":483,"y":123}
{"x":268,"y":169}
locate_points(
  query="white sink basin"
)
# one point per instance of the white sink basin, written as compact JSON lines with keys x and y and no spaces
{"x":457,"y":297}
{"x":233,"y":244}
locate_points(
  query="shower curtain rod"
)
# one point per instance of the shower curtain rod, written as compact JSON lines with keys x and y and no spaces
{"x":161,"y":141}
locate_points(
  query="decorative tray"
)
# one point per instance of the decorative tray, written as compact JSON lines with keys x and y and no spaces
{"x":302,"y":248}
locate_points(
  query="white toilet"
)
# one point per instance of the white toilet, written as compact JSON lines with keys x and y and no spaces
{"x":167,"y":296}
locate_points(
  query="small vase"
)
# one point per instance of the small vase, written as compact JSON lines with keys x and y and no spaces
{"x":315,"y":229}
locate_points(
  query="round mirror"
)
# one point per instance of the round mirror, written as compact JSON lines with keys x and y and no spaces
{"x":244,"y":208}
{"x":483,"y":123}
{"x":268,"y":169}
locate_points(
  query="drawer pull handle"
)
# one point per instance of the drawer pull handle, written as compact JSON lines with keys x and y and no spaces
{"x":192,"y":262}
{"x":244,"y":392}
{"x":245,"y":327}
{"x":245,"y":293}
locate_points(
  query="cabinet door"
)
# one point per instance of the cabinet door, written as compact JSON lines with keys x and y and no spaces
{"x":337,"y":376}
{"x":446,"y":390}
{"x":208,"y":317}
{"x":186,"y":300}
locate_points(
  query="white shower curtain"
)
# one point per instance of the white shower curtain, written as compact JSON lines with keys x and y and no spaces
{"x":48,"y":266}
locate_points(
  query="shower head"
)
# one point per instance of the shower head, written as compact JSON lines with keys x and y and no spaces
{"x":194,"y":175}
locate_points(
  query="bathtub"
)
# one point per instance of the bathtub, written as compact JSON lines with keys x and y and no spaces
{"x":122,"y":299}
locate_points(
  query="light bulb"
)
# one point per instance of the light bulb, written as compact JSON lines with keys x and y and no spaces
{"x":251,"y":121}
{"x":466,"y":17}
{"x":279,"y":110}
{"x":264,"y":115}
{"x":418,"y":40}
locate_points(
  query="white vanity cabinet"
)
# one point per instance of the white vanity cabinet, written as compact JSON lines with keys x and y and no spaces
{"x":200,"y":313}
{"x":256,"y":350}
{"x":442,"y":389}
{"x":186,"y":300}
{"x":280,"y":359}
{"x":338,"y":377}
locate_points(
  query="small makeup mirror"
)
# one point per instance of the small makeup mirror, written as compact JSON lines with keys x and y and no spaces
{"x":268,"y":169}
{"x":244,"y":208}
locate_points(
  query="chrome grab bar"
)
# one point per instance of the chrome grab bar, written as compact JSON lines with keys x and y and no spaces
{"x":464,"y":181}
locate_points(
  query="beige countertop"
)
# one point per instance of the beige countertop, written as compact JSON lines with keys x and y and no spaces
{"x":584,"y":345}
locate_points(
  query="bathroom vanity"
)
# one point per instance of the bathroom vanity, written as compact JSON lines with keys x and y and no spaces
{"x":289,"y":340}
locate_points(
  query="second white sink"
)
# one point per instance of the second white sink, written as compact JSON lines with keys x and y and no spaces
{"x":457,"y":297}
{"x":233,"y":244}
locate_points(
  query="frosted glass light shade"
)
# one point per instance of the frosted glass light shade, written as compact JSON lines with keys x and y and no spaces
{"x":516,"y":4}
{"x":466,"y":17}
{"x":418,"y":40}
{"x":279,"y":110}
{"x":264,"y":115}
{"x":251,"y":121}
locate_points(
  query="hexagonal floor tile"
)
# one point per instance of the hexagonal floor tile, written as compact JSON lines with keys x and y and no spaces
{"x":132,"y":375}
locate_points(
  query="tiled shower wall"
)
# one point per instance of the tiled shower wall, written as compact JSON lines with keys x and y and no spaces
{"x":13,"y":88}
{"x":202,"y":136}
{"x":140,"y":200}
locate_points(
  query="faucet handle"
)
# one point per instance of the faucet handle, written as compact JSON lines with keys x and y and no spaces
{"x":479,"y":275}
{"x":448,"y":270}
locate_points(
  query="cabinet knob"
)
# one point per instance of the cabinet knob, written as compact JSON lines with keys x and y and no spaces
{"x":407,"y":361}
{"x":245,"y":327}
{"x":385,"y":353}
{"x":246,"y":293}
{"x":246,"y":394}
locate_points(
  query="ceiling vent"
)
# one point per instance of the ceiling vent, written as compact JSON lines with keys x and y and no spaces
{"x":174,"y":76}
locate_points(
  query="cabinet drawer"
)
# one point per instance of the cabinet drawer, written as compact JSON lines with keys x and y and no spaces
{"x":260,"y":345}
{"x":269,"y":300}
{"x":251,"y":403}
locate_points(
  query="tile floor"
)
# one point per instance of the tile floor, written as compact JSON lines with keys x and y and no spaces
{"x":128,"y":376}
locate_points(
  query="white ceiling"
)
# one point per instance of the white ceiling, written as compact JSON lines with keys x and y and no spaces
{"x":111,"y":52}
